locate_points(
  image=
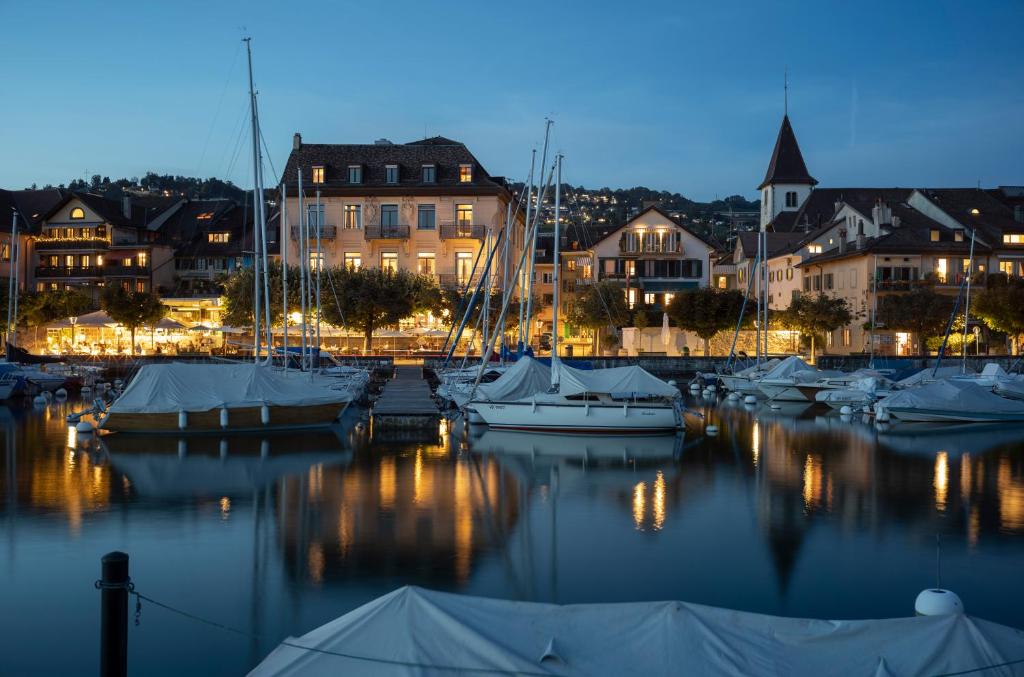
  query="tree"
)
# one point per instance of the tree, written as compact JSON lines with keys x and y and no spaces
{"x":132,"y":309}
{"x":369,"y":298}
{"x":1001,"y":306}
{"x":238,"y":294}
{"x":599,"y":306}
{"x":815,"y":315}
{"x":923,"y":312}
{"x":36,"y":309}
{"x":706,"y":311}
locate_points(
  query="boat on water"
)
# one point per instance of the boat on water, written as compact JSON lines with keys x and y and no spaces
{"x":208,"y":398}
{"x":586,"y":448}
{"x":413,"y":631}
{"x":856,"y":393}
{"x":744,"y":381}
{"x":951,"y":400}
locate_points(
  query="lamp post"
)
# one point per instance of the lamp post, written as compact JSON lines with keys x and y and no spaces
{"x":73,"y":319}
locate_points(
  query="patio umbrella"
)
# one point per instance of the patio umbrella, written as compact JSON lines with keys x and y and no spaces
{"x":201,"y":327}
{"x":97,"y":318}
{"x":168,"y":323}
{"x":666,"y":331}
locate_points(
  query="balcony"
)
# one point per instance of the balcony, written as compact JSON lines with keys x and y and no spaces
{"x":69,"y":271}
{"x":629,"y":247}
{"x":379,"y":232}
{"x":125,"y":271}
{"x":195,"y":274}
{"x":463,"y":231}
{"x":456,"y":281}
{"x":326,"y":232}
{"x":55,"y":244}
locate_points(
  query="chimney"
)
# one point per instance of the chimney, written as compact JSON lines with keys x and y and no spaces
{"x":297,"y":141}
{"x":126,"y":206}
{"x":881,"y":213}
{"x":842,"y":240}
{"x":837,"y":206}
{"x":861,"y":240}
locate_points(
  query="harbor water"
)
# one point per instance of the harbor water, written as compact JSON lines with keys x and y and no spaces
{"x":786,"y":511}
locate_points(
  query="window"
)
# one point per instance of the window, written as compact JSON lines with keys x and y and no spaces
{"x":853,"y":278}
{"x":789,"y":273}
{"x":126,"y":262}
{"x":429,"y":174}
{"x":935,"y":234}
{"x":391,"y":173}
{"x":389,"y":261}
{"x":69,"y":260}
{"x":723,"y":283}
{"x":353,"y":217}
{"x":547,"y":278}
{"x":631,"y":298}
{"x":649,"y":299}
{"x":99,"y":259}
{"x":142,"y":258}
{"x":219,"y":238}
{"x":316,"y":260}
{"x":942,"y":270}
{"x":1013,"y":238}
{"x":77,"y":213}
{"x":791,"y":199}
{"x":318,"y":174}
{"x":355,"y":173}
{"x":314,"y":211}
{"x":5,"y":251}
{"x":668,"y":298}
{"x":353,"y":260}
{"x":465,"y":173}
{"x":425,"y":217}
{"x":389,"y":215}
{"x":425,"y":263}
{"x":814,"y":248}
{"x":817,"y":283}
{"x":140,"y":286}
{"x":847,"y":337}
{"x":829,"y":281}
{"x":463,"y":266}
{"x":958,"y":236}
{"x":464,"y":214}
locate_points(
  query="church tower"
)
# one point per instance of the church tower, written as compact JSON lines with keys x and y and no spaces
{"x":786,"y":183}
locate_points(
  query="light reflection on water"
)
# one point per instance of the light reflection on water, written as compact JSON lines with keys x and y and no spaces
{"x":787,"y":512}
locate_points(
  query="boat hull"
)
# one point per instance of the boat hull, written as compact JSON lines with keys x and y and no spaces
{"x":631,"y":419}
{"x":741,"y":385}
{"x":784,"y":392}
{"x":946,"y":416}
{"x":242,"y":419}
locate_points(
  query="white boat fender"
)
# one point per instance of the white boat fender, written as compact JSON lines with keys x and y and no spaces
{"x":223,"y":448}
{"x":937,"y":602}
{"x":775,"y":405}
{"x":750,"y":399}
{"x":84,"y":428}
{"x":625,"y":409}
{"x":265,"y":415}
{"x":182,"y":419}
{"x":223,"y":417}
{"x":711,"y":430}
{"x":61,"y":393}
{"x":712,"y":388}
{"x":694,"y":387}
{"x":732,"y":397}
{"x":846,"y":410}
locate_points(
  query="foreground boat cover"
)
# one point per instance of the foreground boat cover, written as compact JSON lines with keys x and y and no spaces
{"x":524,"y":378}
{"x":413,"y":631}
{"x":961,"y":396}
{"x":788,"y":368}
{"x":614,"y":380}
{"x":163,"y":388}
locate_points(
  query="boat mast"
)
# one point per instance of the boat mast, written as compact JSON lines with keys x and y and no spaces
{"x":319,"y":268}
{"x":282,"y":239}
{"x":257,"y":195}
{"x":756,"y":273}
{"x":967,"y":306}
{"x":554,"y":277}
{"x":874,"y":314}
{"x":12,"y":284}
{"x":533,"y":241}
{"x":526,"y":230}
{"x":302,"y":269}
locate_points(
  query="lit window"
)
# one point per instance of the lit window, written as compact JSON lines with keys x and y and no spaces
{"x":205,"y":216}
{"x":465,"y":173}
{"x":463,"y":266}
{"x":353,"y":260}
{"x":391,"y":174}
{"x":355,"y":173}
{"x":318,"y":174}
{"x":649,"y":299}
{"x":69,"y":260}
{"x":429,"y":174}
{"x":140,"y":286}
{"x":142,"y":258}
{"x":353,"y":217}
{"x":219,"y":238}
{"x":814,"y":248}
{"x":425,"y":217}
{"x":935,"y":234}
{"x":464,"y":215}
{"x":668,"y":298}
{"x":389,"y":261}
{"x":99,"y":259}
{"x":631,"y":298}
{"x":425,"y":263}
{"x":5,"y":251}
{"x":316,"y":260}
{"x":127,"y":262}
{"x":958,"y":236}
{"x":723,"y":283}
{"x":1013,"y":238}
{"x":77,"y":213}
{"x":941,"y":270}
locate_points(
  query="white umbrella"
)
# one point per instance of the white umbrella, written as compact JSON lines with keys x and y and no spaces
{"x":168,"y":323}
{"x":666,"y":331}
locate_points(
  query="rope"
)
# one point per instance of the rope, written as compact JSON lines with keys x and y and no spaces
{"x":386,"y":661}
{"x":979,"y":669}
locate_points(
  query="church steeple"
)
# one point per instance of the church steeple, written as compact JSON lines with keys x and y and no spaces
{"x":787,"y":165}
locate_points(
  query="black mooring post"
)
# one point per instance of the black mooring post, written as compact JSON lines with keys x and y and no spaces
{"x":114,"y":587}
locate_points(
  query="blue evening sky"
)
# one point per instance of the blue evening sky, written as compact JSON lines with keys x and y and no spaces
{"x":672,"y":95}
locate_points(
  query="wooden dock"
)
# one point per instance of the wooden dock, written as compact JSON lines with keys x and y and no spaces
{"x":405,"y":402}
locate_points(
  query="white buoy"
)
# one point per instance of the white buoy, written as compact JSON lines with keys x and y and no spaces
{"x":712,"y":388}
{"x":694,"y":387}
{"x":61,"y":393}
{"x":672,"y":383}
{"x":223,"y":417}
{"x":265,"y":415}
{"x":711,"y":430}
{"x":937,"y":602}
{"x":846,"y":410}
{"x":182,"y":419}
{"x":84,"y":427}
{"x":750,"y":399}
{"x":39,"y":400}
{"x":732,"y":397}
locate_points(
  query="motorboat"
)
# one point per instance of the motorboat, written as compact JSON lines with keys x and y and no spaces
{"x":950,"y":400}
{"x":745,"y":381}
{"x":864,"y":391}
{"x":586,"y":448}
{"x":212,"y":397}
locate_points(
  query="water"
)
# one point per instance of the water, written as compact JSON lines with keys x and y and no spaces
{"x":784,"y":512}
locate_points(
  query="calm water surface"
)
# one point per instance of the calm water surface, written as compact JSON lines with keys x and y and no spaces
{"x":785,"y":512}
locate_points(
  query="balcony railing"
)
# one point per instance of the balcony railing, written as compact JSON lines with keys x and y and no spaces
{"x":456,"y":281}
{"x":115,"y":270}
{"x":454,"y":231}
{"x":637,"y":247}
{"x":50,"y":244}
{"x":69,"y":271}
{"x":379,"y":232}
{"x":326,"y":232}
{"x":633,"y":276}
{"x":195,"y":274}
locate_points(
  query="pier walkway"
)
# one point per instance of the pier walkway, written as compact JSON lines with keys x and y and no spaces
{"x":406,"y":402}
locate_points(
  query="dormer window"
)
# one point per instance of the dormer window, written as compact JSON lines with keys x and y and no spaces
{"x":935,"y":234}
{"x":1013,"y":238}
{"x":958,"y":236}
{"x":429,"y":174}
{"x":77,"y":213}
{"x":814,"y":248}
{"x":218,"y":238}
{"x":791,"y":199}
{"x":391,"y":174}
{"x":465,"y":173}
{"x":355,"y":173}
{"x":318,"y":174}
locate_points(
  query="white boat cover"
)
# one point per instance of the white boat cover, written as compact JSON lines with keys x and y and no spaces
{"x":163,"y":388}
{"x":953,"y":396}
{"x":755,"y":369}
{"x":525,"y":378}
{"x":788,"y":368}
{"x":614,"y":380}
{"x":926,"y":374}
{"x":413,"y":631}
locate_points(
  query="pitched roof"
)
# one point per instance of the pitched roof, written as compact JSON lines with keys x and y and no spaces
{"x":778,"y":243}
{"x":141,"y":211}
{"x":608,"y":233}
{"x":993,"y":216}
{"x":787,"y":163}
{"x":32,"y":205}
{"x":445,"y":154}
{"x":820,"y":206}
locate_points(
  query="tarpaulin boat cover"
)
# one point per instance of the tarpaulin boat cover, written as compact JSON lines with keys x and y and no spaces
{"x":163,"y":388}
{"x":932,"y":374}
{"x":412,"y":631}
{"x":764,"y":368}
{"x":525,"y":378}
{"x":631,"y":380}
{"x":788,"y":368}
{"x":951,"y":395}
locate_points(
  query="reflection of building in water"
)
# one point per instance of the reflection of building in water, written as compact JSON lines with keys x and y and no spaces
{"x":413,"y":513}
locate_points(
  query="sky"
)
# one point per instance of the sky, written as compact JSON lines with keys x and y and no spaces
{"x":676,"y":96}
